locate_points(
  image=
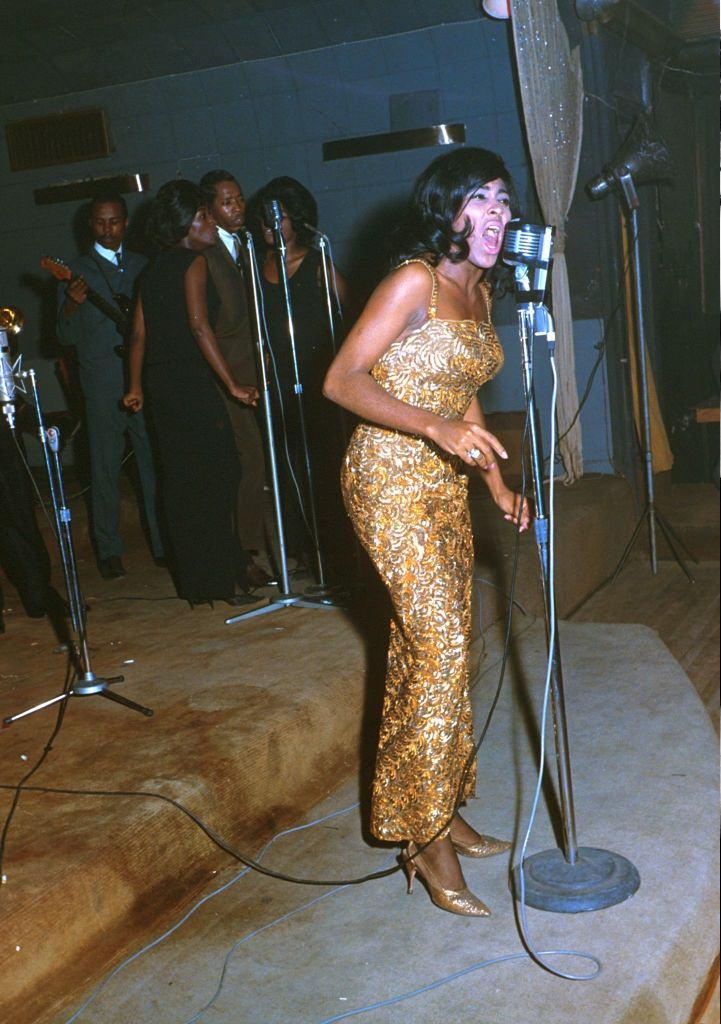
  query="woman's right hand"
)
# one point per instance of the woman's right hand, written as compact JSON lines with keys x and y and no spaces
{"x":463,"y":437}
{"x":245,"y":393}
{"x":133,"y":400}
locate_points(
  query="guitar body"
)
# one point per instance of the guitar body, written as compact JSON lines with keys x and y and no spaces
{"x":118,"y":310}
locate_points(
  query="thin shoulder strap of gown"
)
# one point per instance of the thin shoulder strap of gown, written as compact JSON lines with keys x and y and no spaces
{"x":488,"y":292}
{"x":433,"y":304}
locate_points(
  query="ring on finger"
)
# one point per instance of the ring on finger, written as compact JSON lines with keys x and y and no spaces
{"x":473,"y":453}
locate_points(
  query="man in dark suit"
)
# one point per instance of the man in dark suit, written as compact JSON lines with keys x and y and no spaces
{"x":234,"y":335}
{"x":109,"y":270}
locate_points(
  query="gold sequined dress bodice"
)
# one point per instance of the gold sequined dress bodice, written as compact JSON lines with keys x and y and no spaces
{"x":407,"y":500}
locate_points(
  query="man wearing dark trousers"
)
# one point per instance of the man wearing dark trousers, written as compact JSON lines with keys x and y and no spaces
{"x":23,"y":555}
{"x":109,"y":270}
{"x":233,"y":332}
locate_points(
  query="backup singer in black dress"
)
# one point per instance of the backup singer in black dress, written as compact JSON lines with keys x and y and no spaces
{"x":314,"y":354}
{"x":174,"y":350}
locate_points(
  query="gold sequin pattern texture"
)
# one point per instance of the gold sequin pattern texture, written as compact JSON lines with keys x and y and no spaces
{"x":408,"y":502}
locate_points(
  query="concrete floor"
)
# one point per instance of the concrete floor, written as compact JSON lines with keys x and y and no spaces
{"x":643,"y":754}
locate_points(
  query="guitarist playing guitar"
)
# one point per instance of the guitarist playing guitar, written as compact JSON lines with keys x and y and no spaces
{"x":89,"y":317}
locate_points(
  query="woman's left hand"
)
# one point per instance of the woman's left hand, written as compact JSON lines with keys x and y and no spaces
{"x":515,"y":511}
{"x":133,"y":400}
{"x":245,"y":393}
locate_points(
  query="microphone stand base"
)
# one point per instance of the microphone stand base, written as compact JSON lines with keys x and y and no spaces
{"x":596,"y":880}
{"x":90,"y":686}
{"x":336,"y":596}
{"x":285,"y":601}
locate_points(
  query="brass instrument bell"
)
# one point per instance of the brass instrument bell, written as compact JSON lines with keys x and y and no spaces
{"x":11,"y":319}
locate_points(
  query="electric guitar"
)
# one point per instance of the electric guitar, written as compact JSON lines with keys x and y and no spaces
{"x":118,"y":313}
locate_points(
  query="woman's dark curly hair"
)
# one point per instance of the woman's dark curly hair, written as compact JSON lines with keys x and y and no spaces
{"x":173,"y":210}
{"x":438,"y":197}
{"x":297,"y":201}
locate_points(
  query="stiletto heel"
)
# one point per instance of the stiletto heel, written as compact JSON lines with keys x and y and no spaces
{"x":409,"y":867}
{"x":455,"y":901}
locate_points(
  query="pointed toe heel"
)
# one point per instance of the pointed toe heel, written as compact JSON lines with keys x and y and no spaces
{"x":485,"y":846}
{"x":455,"y":901}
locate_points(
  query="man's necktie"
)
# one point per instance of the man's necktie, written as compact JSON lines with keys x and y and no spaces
{"x":119,"y":260}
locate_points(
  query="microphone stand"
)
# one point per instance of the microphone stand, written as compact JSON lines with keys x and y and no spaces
{"x":285,"y":598}
{"x":322,"y":589}
{"x":582,"y":878}
{"x":89,"y":684}
{"x":650,"y":511}
{"x":333,"y":311}
{"x":327,"y":269}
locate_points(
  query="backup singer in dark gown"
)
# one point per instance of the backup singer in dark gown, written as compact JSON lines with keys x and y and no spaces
{"x":314,"y":353}
{"x":174,"y":351}
{"x":411,"y":367}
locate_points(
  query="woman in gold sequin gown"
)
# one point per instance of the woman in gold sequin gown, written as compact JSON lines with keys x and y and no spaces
{"x":411,"y":368}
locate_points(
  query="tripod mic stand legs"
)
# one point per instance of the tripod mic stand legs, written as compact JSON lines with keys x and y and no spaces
{"x":89,"y":685}
{"x":652,"y":514}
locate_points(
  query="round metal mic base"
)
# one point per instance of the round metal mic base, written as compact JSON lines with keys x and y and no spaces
{"x":598,"y":879}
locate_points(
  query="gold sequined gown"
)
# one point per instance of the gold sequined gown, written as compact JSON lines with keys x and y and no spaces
{"x":408,"y":502}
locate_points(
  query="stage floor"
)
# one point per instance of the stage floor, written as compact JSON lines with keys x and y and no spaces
{"x":257,"y":722}
{"x":644,"y":784}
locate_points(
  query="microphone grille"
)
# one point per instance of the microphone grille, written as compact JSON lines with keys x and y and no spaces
{"x":524,"y":240}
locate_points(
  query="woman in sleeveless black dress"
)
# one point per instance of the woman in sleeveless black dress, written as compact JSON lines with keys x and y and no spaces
{"x":173,"y":347}
{"x":314,"y":353}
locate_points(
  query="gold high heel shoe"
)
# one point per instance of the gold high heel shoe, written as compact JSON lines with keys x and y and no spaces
{"x":485,"y":846}
{"x":455,"y":901}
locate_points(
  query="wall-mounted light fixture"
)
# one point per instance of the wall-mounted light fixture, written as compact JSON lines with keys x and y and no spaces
{"x":86,"y":188}
{"x":393,"y":142}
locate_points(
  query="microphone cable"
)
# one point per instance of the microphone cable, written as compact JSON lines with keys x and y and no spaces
{"x":254,"y":863}
{"x":249,"y":861}
{"x":537,"y":955}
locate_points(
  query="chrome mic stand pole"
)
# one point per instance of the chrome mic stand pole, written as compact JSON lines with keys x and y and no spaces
{"x":650,"y":512}
{"x":526,"y":326}
{"x":89,"y":683}
{"x":285,"y":598}
{"x":574,"y":879}
{"x":333,"y":311}
{"x":273,"y":210}
{"x":329,"y":291}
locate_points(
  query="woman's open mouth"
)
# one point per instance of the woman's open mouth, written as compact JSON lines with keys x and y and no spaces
{"x":492,"y":237}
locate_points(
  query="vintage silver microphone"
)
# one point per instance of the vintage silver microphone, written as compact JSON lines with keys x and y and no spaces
{"x":529,"y":248}
{"x":11,"y":322}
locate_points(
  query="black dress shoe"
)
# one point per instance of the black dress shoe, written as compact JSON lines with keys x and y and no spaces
{"x":111,"y":568}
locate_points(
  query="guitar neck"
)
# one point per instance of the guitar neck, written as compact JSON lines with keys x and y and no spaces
{"x":118,"y":311}
{"x":107,"y":308}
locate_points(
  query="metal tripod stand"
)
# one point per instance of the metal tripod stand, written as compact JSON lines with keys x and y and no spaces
{"x":650,"y":513}
{"x":285,"y":598}
{"x":88,"y":684}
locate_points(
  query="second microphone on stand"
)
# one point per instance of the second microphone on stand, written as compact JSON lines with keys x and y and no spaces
{"x":302,"y":338}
